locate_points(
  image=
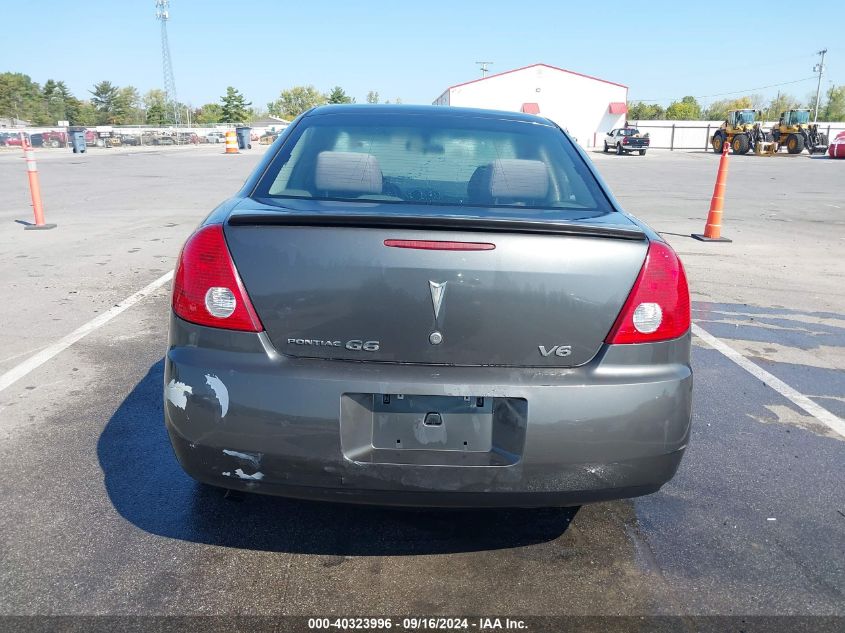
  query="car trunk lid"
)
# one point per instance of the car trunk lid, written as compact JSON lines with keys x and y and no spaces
{"x":327,"y":284}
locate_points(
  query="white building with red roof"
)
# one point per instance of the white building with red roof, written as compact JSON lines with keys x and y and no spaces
{"x":588,"y":107}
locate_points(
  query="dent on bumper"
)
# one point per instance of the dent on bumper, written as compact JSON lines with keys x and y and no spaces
{"x":241,"y":416}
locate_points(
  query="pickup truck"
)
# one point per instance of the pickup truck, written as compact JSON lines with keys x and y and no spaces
{"x":626,"y":140}
{"x":54,"y":138}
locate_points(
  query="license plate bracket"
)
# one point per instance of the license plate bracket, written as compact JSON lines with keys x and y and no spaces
{"x":446,"y":423}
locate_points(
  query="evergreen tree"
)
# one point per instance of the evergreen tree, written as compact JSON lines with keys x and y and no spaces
{"x":234,"y":107}
{"x":338,"y":95}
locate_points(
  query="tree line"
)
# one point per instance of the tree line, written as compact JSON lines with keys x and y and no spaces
{"x":294,"y":101}
{"x":831,"y":107}
{"x":110,"y":104}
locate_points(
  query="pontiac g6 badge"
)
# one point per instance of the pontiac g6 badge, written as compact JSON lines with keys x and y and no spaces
{"x":354,"y":345}
{"x":437,"y":292}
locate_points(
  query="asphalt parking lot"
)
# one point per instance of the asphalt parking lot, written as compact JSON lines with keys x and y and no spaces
{"x":98,"y":518}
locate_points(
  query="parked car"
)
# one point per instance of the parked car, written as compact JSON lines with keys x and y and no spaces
{"x":478,"y":325}
{"x":216,"y":137}
{"x":187,"y":138}
{"x":155,"y":138}
{"x":626,"y":140}
{"x":130,"y":139}
{"x":12,"y":139}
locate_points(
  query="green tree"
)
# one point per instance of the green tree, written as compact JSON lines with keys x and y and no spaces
{"x":779,"y":104}
{"x":639,"y":111}
{"x":372,"y":96}
{"x":61,"y":105}
{"x":209,"y":113}
{"x":128,"y":106}
{"x":153,"y":97}
{"x":106,"y":99}
{"x":718,"y":110}
{"x":22,"y":98}
{"x":338,"y":95}
{"x":155,"y":114}
{"x":234,"y":107}
{"x":834,"y":108}
{"x":687,"y":109}
{"x":87,"y":115}
{"x":294,"y":101}
{"x":155,"y":105}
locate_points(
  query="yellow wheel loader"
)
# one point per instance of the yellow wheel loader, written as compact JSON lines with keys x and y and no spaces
{"x":742,"y":130}
{"x":795,"y":131}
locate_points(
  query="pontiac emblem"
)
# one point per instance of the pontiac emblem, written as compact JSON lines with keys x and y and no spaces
{"x":437,"y":292}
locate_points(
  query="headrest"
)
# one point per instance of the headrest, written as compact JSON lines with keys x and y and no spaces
{"x":518,"y":179}
{"x":347,"y":172}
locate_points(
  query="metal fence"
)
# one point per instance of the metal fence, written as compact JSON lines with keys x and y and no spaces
{"x":127,"y":135}
{"x":692,"y":136}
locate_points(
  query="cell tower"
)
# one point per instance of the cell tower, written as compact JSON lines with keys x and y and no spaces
{"x":163,"y":15}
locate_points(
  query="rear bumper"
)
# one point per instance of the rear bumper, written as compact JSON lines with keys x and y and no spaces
{"x":241,"y":416}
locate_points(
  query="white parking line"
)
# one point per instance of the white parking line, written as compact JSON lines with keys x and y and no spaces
{"x":797,"y":398}
{"x":33,"y":362}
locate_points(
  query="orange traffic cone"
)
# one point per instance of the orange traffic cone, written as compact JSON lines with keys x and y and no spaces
{"x":34,"y":188}
{"x":713,"y":228}
{"x":231,"y":142}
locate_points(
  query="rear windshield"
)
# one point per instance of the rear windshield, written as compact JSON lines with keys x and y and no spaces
{"x":461,"y":161}
{"x":629,"y":132}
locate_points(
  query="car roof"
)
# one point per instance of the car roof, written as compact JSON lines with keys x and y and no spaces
{"x":428,"y":110}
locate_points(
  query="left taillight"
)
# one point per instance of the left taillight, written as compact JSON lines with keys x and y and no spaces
{"x":207,"y":289}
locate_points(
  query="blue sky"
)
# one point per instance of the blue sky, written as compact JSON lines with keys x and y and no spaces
{"x":414,"y":50}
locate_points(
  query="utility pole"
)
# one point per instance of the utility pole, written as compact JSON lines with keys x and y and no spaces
{"x":484,"y":69}
{"x":819,"y":68}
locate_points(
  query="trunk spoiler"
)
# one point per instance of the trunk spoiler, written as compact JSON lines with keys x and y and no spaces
{"x":437,"y":223}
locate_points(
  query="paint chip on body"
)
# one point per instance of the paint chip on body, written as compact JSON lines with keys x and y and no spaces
{"x":252,"y":458}
{"x":177,"y":393}
{"x":220,"y":391}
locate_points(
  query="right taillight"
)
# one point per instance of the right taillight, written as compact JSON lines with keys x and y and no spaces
{"x":206,"y":287}
{"x":657,"y":308}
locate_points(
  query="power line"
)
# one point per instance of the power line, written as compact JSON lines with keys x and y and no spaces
{"x":735,"y":92}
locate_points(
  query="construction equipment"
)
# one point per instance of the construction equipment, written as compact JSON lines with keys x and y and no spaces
{"x":795,"y":131}
{"x":741,"y":130}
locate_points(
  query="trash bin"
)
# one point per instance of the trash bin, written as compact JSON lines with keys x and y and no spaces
{"x":76,"y":136}
{"x":243,"y":137}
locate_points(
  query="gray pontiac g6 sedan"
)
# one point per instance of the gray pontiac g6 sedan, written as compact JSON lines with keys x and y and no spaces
{"x":428,"y":306}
